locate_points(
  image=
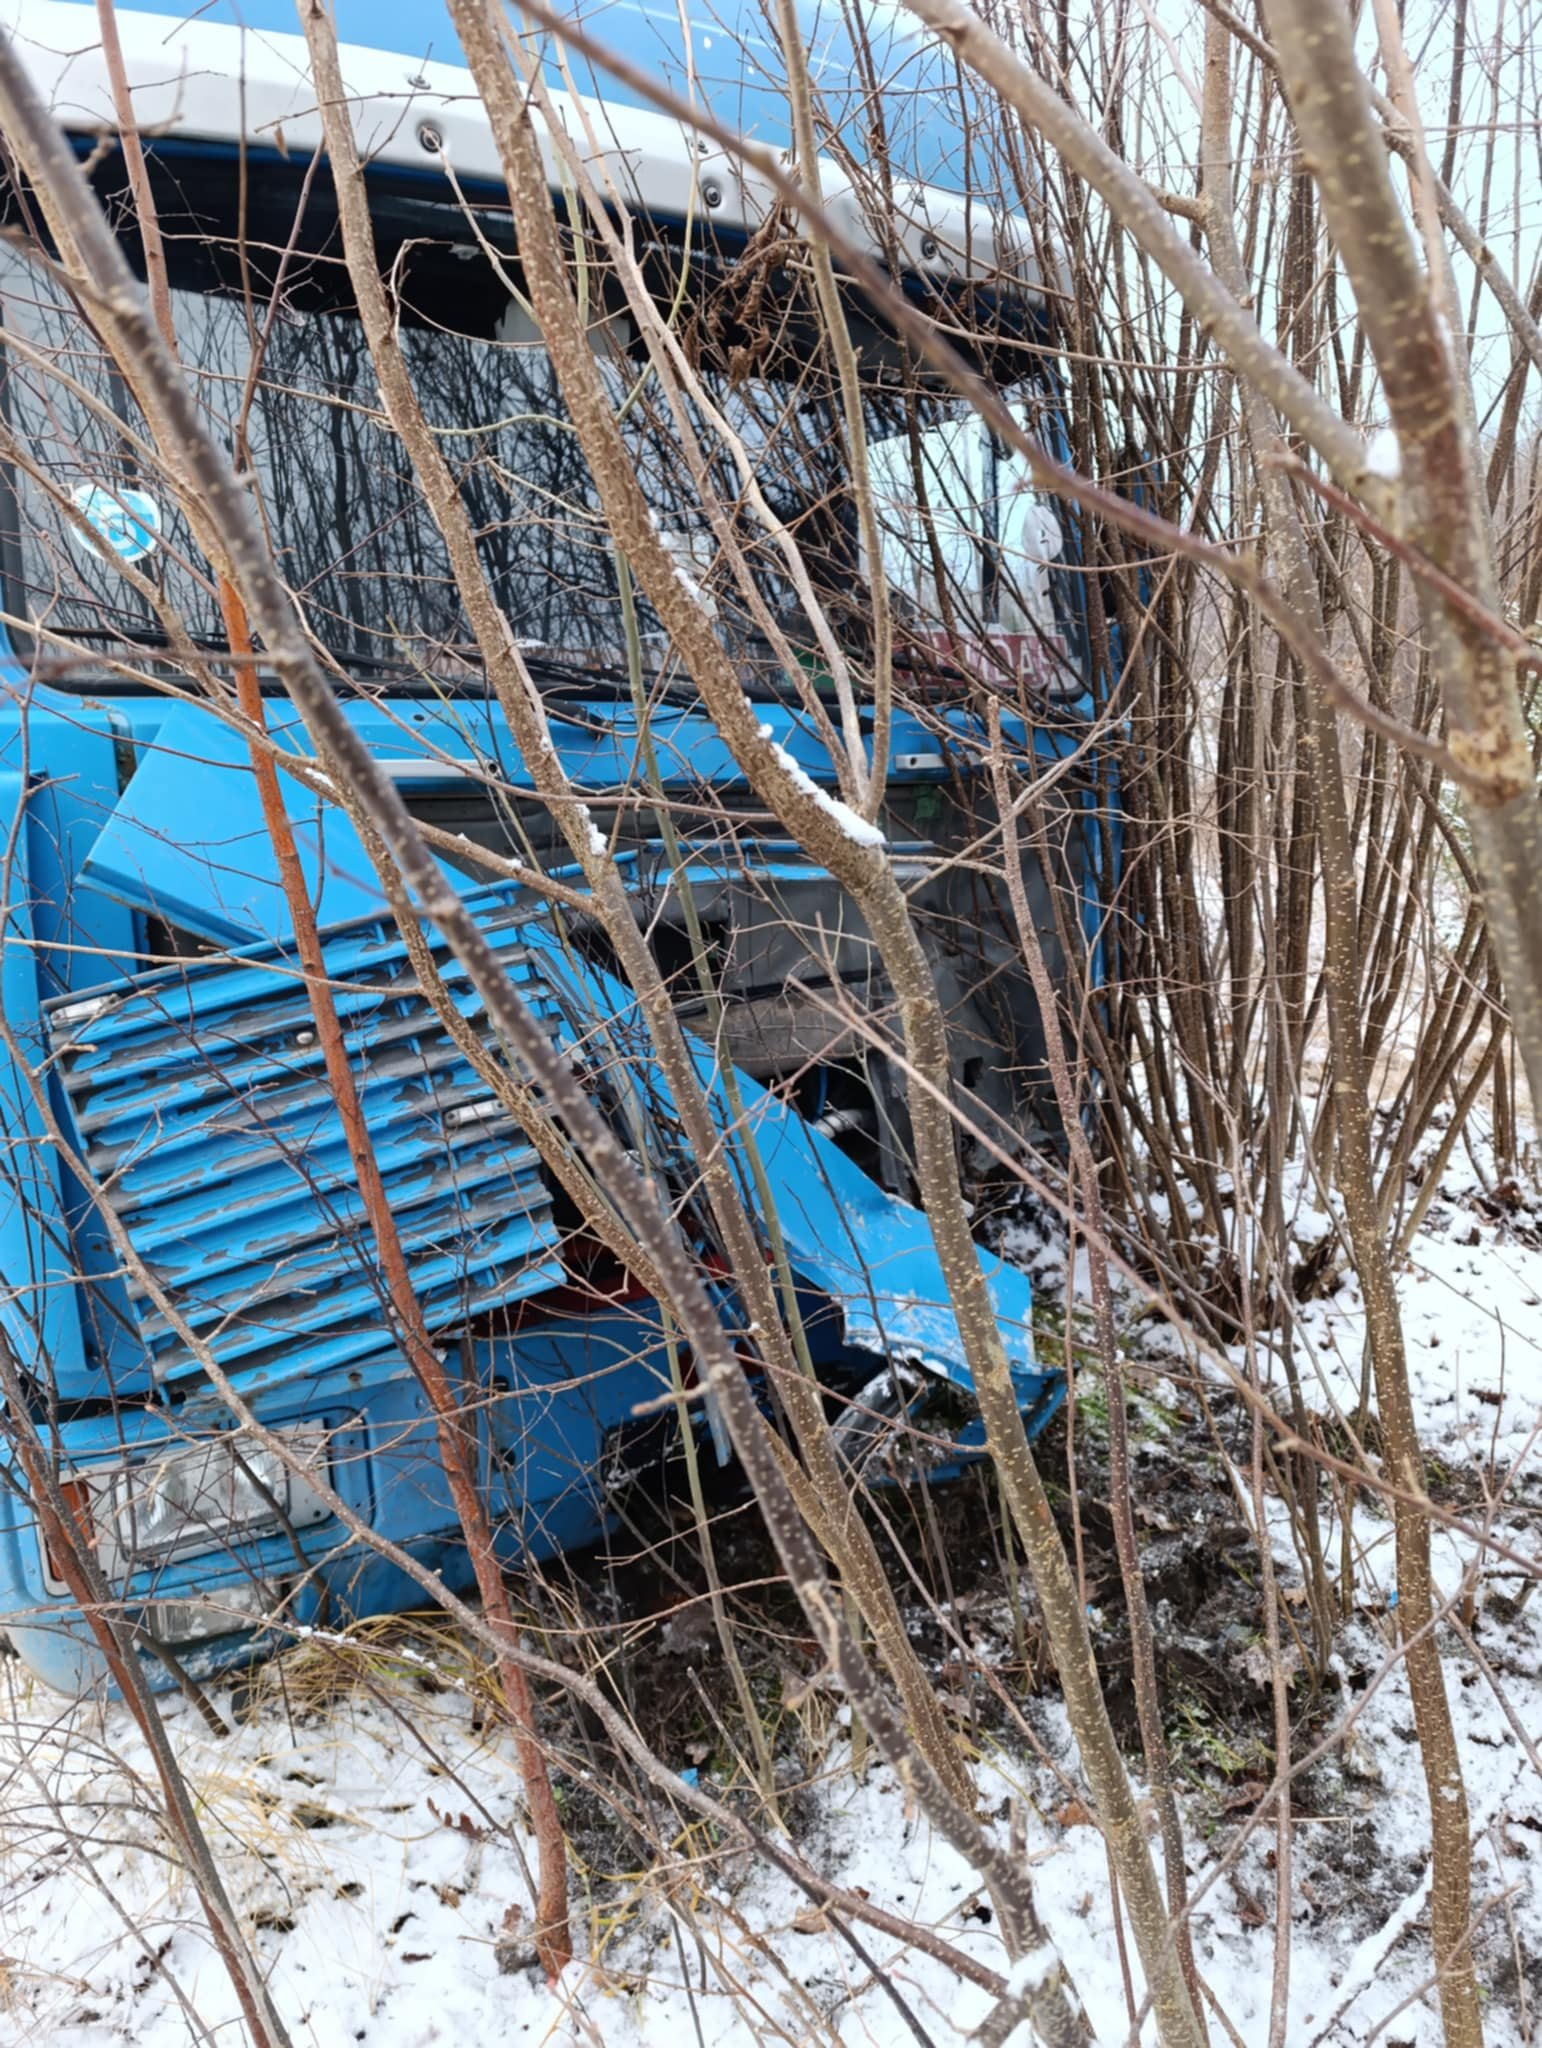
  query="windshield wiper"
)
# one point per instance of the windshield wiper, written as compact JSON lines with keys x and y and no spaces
{"x":154,"y":640}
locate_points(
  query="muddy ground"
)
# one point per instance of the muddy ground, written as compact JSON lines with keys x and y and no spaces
{"x":970,"y":1612}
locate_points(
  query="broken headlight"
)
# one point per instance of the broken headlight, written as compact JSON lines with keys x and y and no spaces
{"x":238,"y":1610}
{"x":192,"y":1499}
{"x":206,"y":1494}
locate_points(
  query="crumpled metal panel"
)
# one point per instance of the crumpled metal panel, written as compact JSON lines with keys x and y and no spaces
{"x":200,"y":1097}
{"x":871,"y":1254}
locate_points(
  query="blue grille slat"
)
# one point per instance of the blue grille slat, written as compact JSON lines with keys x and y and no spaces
{"x":271,"y":1116}
{"x":133,"y":1045}
{"x":201,"y":1101}
{"x":257,"y":1233}
{"x":173,"y":1245}
{"x":260,"y":1151}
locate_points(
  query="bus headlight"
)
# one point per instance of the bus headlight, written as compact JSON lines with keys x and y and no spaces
{"x":205,"y":1494}
{"x":194,"y":1499}
{"x":237,"y":1610}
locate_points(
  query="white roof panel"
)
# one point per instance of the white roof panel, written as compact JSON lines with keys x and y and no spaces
{"x":208,"y":80}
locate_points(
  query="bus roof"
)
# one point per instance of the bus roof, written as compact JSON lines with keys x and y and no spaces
{"x":236,"y":72}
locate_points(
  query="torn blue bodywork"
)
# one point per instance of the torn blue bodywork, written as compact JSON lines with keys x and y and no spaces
{"x":193,"y":1095}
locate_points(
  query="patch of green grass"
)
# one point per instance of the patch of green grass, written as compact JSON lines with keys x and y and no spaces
{"x":1148,"y":1416}
{"x":1208,"y":1754}
{"x":1092,"y":1404}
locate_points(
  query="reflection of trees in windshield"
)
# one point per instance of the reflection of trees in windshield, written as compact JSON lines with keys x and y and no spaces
{"x":357,"y":544}
{"x":347,"y":522}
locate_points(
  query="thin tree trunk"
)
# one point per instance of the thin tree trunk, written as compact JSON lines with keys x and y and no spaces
{"x":1084,"y":1183}
{"x":1451,"y":1852}
{"x":553,"y":1939}
{"x":850,"y":1541}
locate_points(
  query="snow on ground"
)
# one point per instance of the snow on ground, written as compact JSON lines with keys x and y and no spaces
{"x":1471,"y":1295}
{"x":371,"y":1833}
{"x":1470,"y":1292}
{"x":373,"y":1869}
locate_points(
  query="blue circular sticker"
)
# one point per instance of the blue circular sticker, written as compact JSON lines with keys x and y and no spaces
{"x":127,"y":523}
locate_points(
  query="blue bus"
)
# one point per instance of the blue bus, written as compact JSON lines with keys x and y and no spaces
{"x":162,"y":1080}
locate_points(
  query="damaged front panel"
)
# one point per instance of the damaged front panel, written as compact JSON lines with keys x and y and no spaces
{"x":195,"y":1099}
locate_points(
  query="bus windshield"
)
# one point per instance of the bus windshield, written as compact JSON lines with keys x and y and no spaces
{"x":266,"y":327}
